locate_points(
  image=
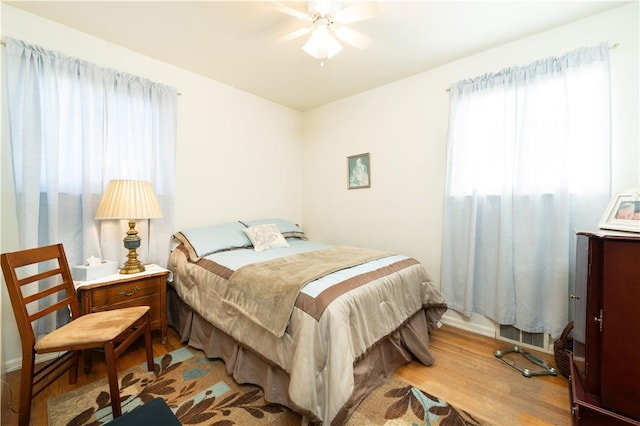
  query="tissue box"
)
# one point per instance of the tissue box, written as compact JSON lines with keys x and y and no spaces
{"x":89,"y":273}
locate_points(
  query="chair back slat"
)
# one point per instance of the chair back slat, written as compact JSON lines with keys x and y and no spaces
{"x":63,"y":304}
{"x":46,"y":292}
{"x":36,"y":255}
{"x":40,"y":276}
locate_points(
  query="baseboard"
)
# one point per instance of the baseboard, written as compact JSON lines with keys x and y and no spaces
{"x":12,"y":365}
{"x":457,"y":322}
{"x":16,"y":363}
{"x":489,"y":330}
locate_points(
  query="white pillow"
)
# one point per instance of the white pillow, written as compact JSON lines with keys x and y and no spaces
{"x":288,"y":229}
{"x":265,"y":237}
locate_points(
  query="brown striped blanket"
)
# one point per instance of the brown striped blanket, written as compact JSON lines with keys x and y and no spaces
{"x":265,"y":292}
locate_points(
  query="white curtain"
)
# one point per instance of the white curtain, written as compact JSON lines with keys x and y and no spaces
{"x":74,"y":126}
{"x":528,"y":164}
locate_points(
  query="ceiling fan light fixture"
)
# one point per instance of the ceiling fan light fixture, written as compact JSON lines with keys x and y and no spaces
{"x":324,"y":7}
{"x":328,"y":19}
{"x":322,"y":44}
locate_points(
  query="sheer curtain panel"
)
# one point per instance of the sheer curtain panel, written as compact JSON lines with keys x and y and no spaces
{"x":74,"y":126}
{"x":528,"y":163}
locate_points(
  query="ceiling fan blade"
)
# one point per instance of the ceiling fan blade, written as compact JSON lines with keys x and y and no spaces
{"x":358,"y":12}
{"x":290,"y":10}
{"x":295,"y":34}
{"x":352,"y":37}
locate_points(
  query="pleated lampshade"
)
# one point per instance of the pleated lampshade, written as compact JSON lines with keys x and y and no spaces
{"x":129,"y":199}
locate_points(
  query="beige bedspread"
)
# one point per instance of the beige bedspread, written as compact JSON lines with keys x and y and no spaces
{"x":318,"y":351}
{"x":265,"y":292}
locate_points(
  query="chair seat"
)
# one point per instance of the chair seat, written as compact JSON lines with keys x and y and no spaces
{"x":87,"y":330}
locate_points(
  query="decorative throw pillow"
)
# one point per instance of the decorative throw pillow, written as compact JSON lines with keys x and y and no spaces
{"x":287,"y":229}
{"x":265,"y":237}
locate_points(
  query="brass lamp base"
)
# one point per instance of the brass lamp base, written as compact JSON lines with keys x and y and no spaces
{"x":131,"y":243}
{"x":132,"y":268}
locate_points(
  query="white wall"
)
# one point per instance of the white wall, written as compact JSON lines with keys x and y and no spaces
{"x":238,"y":156}
{"x":404,"y":125}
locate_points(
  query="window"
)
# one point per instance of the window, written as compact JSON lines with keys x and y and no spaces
{"x":528,"y":162}
{"x":74,"y":126}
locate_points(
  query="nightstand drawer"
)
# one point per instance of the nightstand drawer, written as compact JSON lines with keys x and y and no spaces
{"x":127,"y":293}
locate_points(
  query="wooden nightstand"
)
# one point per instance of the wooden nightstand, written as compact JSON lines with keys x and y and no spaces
{"x":120,"y":291}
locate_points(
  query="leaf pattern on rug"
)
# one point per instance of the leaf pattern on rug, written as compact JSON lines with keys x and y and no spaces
{"x":192,"y":412}
{"x":103,"y":400}
{"x":195,"y":413}
{"x":422,"y":405}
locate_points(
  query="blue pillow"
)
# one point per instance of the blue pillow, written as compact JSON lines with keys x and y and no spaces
{"x":206,"y":240}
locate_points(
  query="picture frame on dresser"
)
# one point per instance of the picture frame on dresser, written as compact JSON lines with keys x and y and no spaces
{"x":623,"y":212}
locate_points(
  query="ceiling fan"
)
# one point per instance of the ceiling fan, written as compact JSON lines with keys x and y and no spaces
{"x":327,"y":20}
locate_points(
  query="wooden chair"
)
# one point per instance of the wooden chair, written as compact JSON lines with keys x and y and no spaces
{"x":114,"y":331}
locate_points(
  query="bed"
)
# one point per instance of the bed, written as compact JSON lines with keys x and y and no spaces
{"x":318,"y":327}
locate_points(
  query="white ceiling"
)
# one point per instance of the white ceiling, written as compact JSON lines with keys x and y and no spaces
{"x":236,"y":42}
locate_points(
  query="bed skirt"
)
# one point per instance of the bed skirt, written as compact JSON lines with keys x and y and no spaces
{"x":246,"y":366}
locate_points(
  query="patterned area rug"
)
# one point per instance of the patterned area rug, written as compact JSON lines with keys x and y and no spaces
{"x":200,"y":392}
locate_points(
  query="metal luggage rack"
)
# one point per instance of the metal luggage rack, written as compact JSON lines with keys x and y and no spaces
{"x":546,"y":371}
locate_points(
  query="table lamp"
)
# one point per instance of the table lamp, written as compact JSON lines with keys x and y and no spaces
{"x":131,"y":200}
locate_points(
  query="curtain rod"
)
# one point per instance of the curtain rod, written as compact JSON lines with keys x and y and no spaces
{"x":613,"y":46}
{"x":4,"y":43}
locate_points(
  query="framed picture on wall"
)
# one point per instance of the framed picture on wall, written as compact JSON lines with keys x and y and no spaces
{"x":623,"y":212}
{"x":358,"y":171}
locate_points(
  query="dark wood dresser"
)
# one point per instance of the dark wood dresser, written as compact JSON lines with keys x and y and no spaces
{"x":605,"y":364}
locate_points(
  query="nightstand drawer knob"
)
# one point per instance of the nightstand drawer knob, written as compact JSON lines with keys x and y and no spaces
{"x":129,"y":293}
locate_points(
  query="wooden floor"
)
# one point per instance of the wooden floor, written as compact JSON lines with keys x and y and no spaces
{"x":466,"y":374}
